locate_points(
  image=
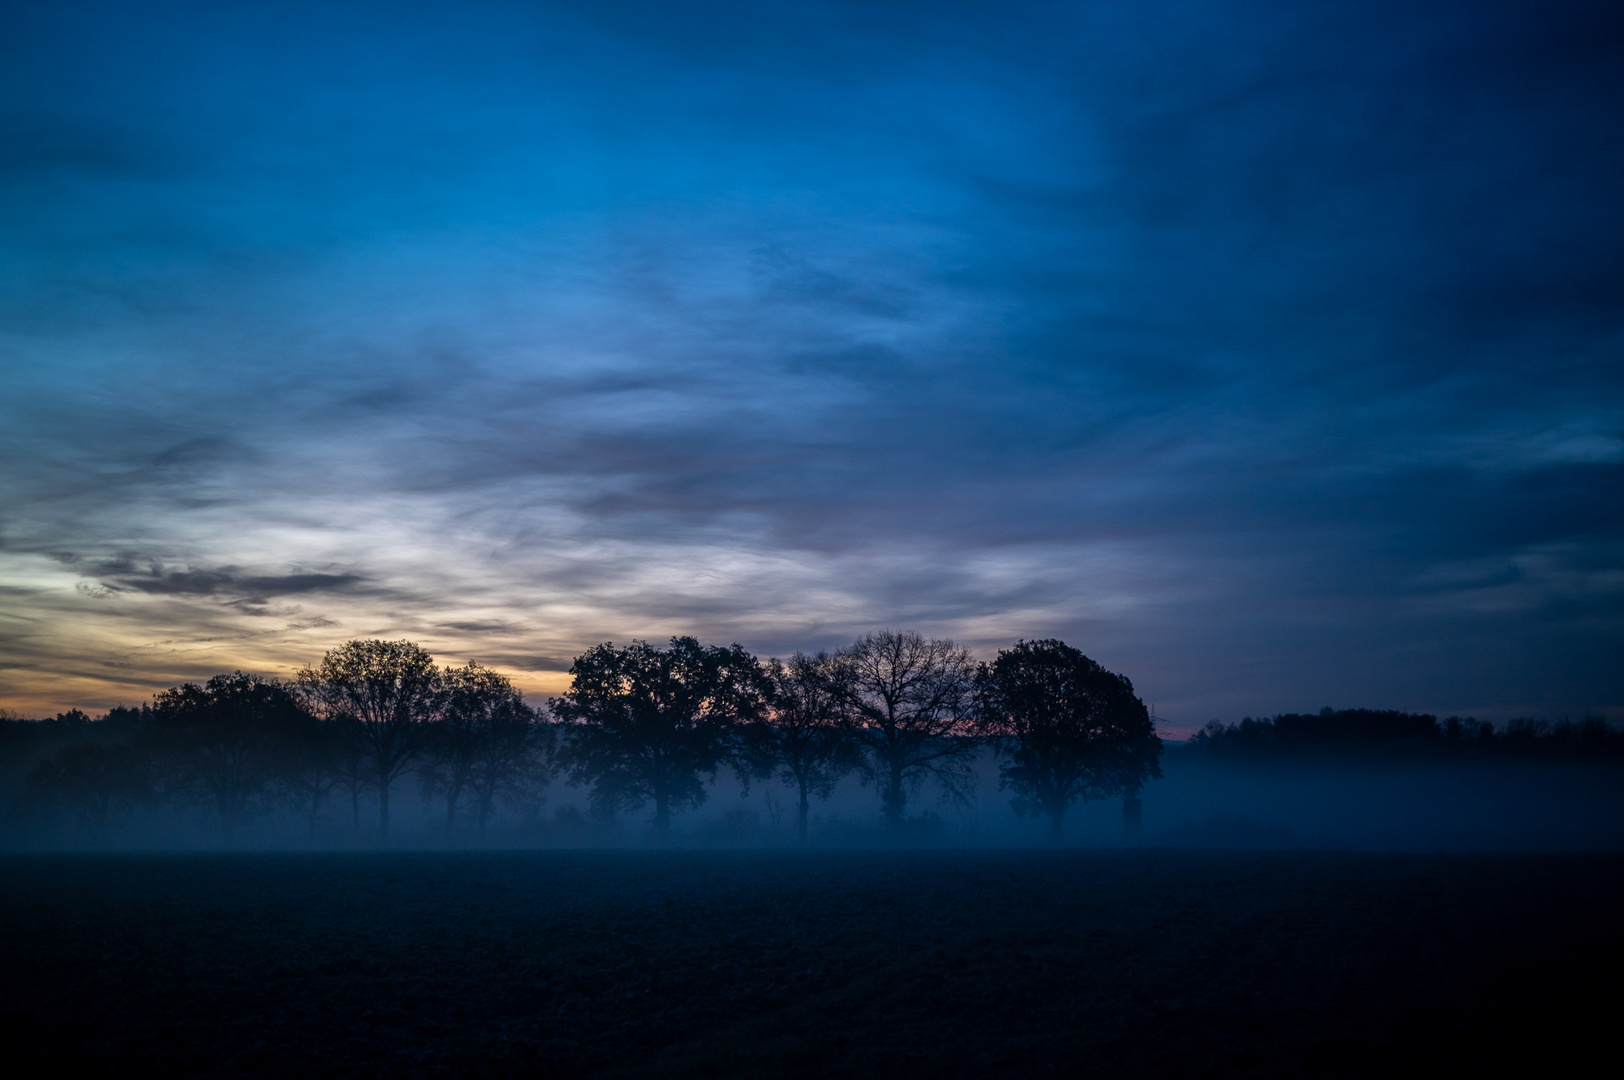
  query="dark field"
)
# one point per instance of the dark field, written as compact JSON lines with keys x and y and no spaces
{"x":872,"y":963}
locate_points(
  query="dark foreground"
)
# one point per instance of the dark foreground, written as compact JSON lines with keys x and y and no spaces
{"x":893,"y":964}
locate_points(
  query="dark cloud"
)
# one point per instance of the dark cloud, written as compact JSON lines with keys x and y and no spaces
{"x":479,"y":626}
{"x":154,"y":578}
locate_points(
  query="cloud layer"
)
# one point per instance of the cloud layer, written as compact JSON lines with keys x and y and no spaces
{"x":1271,"y":356}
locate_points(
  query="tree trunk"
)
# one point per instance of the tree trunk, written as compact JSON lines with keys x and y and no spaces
{"x":1057,"y":831}
{"x":662,"y":817}
{"x":1132,"y":814}
{"x":895,"y":800}
{"x":804,"y":808}
{"x":383,"y":806}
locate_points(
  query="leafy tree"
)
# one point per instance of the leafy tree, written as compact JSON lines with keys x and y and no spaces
{"x":644,"y":722}
{"x":25,"y":744}
{"x":516,"y":766}
{"x":1071,"y":729}
{"x":386,"y":695}
{"x":227,"y":742}
{"x":488,"y":743}
{"x":799,"y":737}
{"x":905,"y":701}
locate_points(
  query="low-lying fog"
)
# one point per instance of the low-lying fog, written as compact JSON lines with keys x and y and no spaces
{"x":1201,"y":801}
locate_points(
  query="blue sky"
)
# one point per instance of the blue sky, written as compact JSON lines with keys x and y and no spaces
{"x":1269,"y":353}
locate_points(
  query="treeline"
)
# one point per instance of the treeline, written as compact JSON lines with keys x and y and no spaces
{"x":1388,"y":734}
{"x":640,"y":726}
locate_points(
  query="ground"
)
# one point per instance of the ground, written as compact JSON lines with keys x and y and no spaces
{"x":930,"y":963}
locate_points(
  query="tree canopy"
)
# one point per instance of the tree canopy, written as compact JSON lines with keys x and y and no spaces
{"x":386,"y":694}
{"x":1073,"y":730}
{"x":800,"y":739}
{"x":226,"y":743}
{"x":487,"y":743}
{"x":646,"y":722}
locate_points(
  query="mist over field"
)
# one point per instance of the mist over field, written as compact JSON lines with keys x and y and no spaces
{"x":1318,"y":804}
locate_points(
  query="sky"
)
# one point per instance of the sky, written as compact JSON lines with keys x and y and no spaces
{"x":1270,"y":353}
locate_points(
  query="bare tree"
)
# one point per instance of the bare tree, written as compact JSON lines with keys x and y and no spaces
{"x":800,"y":738}
{"x":486,"y":744}
{"x":387,"y":694}
{"x":1071,"y":730}
{"x":906,"y":701}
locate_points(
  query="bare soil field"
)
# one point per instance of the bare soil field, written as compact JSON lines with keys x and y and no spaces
{"x":903,"y":963}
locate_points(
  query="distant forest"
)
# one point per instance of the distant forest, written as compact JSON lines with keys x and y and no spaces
{"x":1368,"y":733}
{"x":643,"y":728}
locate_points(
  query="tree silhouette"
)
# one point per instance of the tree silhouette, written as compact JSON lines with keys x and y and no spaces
{"x":799,"y":737}
{"x":92,"y":781}
{"x":227,"y":742}
{"x":516,"y":765}
{"x":905,"y":701}
{"x":644,"y":723}
{"x":1071,"y":729}
{"x":353,"y":772}
{"x":321,"y":771}
{"x":386,"y":694}
{"x":486,"y":744}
